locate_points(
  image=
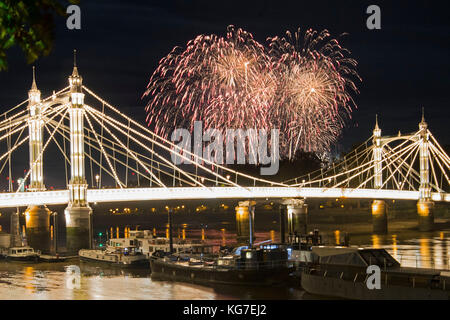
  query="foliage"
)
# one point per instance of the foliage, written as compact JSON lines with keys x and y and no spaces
{"x":30,"y":25}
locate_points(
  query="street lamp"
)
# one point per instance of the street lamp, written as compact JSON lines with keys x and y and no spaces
{"x":97,"y":178}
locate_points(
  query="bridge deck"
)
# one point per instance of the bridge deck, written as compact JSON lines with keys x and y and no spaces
{"x":20,"y":199}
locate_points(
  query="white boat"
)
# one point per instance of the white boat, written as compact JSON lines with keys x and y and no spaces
{"x":22,"y":254}
{"x":147,"y":244}
{"x":121,"y":252}
{"x":137,"y":249}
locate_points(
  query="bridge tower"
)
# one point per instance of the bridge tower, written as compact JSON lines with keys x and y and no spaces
{"x":424,"y":205}
{"x":245,"y":218}
{"x":37,"y":218}
{"x":379,"y":208}
{"x":78,"y":214}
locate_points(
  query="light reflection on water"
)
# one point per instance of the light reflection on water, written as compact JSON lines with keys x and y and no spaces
{"x":429,"y":250}
{"x":411,"y":249}
{"x":46,"y":281}
{"x":49,"y":280}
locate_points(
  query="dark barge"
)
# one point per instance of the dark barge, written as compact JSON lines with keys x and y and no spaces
{"x":266,"y":265}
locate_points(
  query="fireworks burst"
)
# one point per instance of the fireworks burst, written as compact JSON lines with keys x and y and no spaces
{"x":315,"y":86}
{"x":213,"y":80}
{"x":301,"y":87}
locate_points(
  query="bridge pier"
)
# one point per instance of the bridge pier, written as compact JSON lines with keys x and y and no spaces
{"x":37,"y":223}
{"x":16,"y":239}
{"x":425,"y":214}
{"x":297,"y":217}
{"x":245,"y":217}
{"x":379,"y":217}
{"x":78,"y":228}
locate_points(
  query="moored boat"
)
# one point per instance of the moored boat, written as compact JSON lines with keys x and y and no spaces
{"x":22,"y":254}
{"x":136,"y":249}
{"x":147,"y":244}
{"x":118,"y":252}
{"x":343,"y":272}
{"x":266,"y":265}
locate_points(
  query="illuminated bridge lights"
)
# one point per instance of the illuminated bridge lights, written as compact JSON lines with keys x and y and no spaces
{"x":185,"y":193}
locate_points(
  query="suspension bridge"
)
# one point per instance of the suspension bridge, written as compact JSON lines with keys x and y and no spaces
{"x":110,"y":157}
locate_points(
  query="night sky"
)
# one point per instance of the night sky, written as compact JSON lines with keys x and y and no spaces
{"x":404,"y":66}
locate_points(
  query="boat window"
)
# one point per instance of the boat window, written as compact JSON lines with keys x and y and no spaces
{"x":378,"y":257}
{"x":339,"y":259}
{"x":355,"y":260}
{"x":131,"y":242}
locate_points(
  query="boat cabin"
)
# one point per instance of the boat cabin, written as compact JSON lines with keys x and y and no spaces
{"x":21,"y":250}
{"x":305,"y":242}
{"x":126,"y":246}
{"x":352,"y":256}
{"x":143,"y":242}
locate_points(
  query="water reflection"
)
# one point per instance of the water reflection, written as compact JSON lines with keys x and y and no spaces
{"x":98,"y":281}
{"x":224,"y":237}
{"x":394,"y":246}
{"x":272,"y":235}
{"x":28,"y":279}
{"x":420,"y":252}
{"x":425,"y":256}
{"x":51,"y":281}
{"x":376,"y":241}
{"x":337,"y":237}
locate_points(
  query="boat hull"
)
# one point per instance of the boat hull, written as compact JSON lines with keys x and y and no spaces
{"x":123,"y":263}
{"x":334,"y":287}
{"x":23,"y":258}
{"x":209,"y":276}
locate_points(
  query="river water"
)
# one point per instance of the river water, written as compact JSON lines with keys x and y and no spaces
{"x":19,"y":280}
